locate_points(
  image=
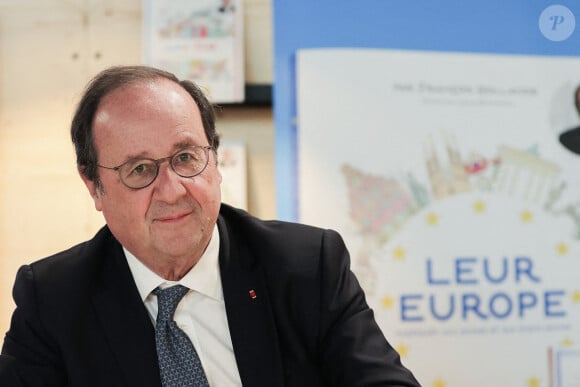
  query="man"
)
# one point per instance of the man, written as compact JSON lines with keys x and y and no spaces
{"x":269,"y":303}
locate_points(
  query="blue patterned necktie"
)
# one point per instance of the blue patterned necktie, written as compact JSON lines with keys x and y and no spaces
{"x":179,"y":363}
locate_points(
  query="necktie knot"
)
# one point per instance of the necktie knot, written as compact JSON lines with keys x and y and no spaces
{"x":167,"y":300}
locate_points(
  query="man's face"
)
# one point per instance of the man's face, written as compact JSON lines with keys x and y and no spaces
{"x":173,"y":218}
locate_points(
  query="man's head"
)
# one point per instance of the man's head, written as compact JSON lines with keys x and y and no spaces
{"x":571,"y":138}
{"x":114,"y":78}
{"x":140,"y":113}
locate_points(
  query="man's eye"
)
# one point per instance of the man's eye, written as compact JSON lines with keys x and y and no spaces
{"x":140,"y":169}
{"x":185,"y":157}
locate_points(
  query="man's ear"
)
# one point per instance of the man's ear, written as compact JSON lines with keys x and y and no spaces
{"x":95,"y":191}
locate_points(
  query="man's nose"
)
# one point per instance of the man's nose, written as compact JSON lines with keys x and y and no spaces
{"x":169,"y":185}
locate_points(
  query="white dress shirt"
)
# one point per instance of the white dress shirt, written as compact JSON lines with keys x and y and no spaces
{"x":201,"y":314}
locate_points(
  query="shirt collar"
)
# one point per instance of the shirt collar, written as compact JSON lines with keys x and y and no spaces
{"x":204,"y":277}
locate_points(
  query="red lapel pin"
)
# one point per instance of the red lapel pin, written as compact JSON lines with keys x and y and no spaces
{"x":253,"y":294}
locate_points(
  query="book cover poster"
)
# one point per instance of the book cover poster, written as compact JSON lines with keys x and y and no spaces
{"x":459,"y":205}
{"x":201,"y":41}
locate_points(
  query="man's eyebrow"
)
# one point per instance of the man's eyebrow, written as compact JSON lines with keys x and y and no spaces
{"x":146,"y":155}
{"x":183,"y":144}
{"x":137,"y":156}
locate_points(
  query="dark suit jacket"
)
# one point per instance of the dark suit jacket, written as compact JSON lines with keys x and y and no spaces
{"x":80,"y":321}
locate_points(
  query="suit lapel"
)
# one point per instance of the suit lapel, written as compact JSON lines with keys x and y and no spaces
{"x":250,"y":318}
{"x":125,"y":320}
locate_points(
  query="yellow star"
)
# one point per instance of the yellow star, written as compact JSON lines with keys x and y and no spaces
{"x":387,"y":302}
{"x":479,"y":206}
{"x":432,"y":218}
{"x":399,"y":253}
{"x":403,"y":350}
{"x":562,"y":248}
{"x":576,"y":296}
{"x":567,"y":342}
{"x":526,"y":216}
{"x":439,"y":383}
{"x":534,"y":382}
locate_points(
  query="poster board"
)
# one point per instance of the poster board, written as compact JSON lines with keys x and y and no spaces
{"x":457,"y":202}
{"x":201,"y":41}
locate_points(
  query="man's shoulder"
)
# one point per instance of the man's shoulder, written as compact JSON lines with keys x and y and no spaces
{"x":76,"y":260}
{"x":273,"y":242}
{"x":244,"y":222}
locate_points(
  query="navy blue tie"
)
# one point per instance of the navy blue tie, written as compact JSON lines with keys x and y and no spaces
{"x":179,"y":362}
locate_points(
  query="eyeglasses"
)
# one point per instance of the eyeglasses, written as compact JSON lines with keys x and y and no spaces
{"x":140,"y":173}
